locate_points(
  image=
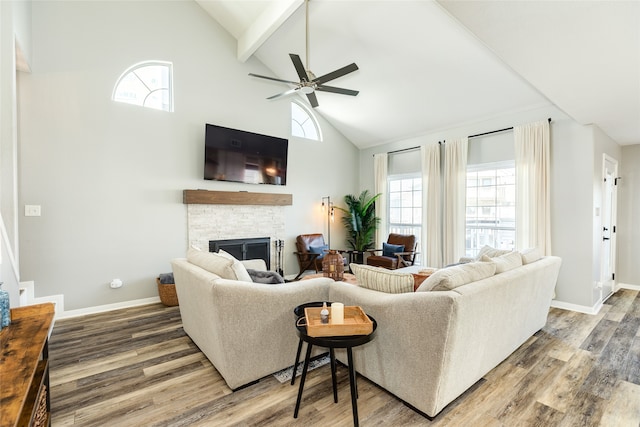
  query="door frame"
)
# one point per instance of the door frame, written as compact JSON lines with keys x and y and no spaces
{"x":607,"y":160}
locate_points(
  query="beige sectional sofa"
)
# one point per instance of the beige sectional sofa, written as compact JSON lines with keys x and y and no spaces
{"x":430,"y":345}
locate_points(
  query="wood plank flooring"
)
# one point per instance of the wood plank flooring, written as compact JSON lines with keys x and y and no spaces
{"x":136,"y":367}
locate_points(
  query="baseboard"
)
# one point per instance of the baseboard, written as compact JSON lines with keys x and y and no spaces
{"x":107,"y":307}
{"x":628,"y":286}
{"x":27,"y":297}
{"x":575,"y":307}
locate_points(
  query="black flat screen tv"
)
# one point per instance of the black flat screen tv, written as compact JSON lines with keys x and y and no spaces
{"x":240,"y":156}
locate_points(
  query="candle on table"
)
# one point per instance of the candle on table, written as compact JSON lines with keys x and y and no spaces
{"x":337,"y":313}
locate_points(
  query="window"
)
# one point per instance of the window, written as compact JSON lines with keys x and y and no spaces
{"x":303,"y":123}
{"x":491,"y":206}
{"x":405,"y":205}
{"x":147,"y":84}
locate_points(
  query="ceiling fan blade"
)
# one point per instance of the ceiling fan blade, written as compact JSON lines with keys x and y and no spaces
{"x":337,"y":73}
{"x":297,"y":63}
{"x":272,"y":78}
{"x":283,"y":94}
{"x":339,"y":90}
{"x":313,"y":100}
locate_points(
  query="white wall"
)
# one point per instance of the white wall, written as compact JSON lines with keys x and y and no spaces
{"x":628,"y":270}
{"x":110,"y":176}
{"x":572,"y":160}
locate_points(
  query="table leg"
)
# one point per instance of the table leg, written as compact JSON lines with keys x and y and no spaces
{"x":354,"y":387}
{"x":333,"y":374}
{"x":302,"y":378}
{"x":295,"y":365}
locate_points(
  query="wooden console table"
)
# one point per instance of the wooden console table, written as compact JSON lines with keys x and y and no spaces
{"x":24,"y":367}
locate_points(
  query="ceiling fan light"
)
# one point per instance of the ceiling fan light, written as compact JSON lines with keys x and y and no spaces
{"x":307,"y":89}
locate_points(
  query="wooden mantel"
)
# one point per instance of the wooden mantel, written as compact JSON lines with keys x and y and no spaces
{"x":207,"y":197}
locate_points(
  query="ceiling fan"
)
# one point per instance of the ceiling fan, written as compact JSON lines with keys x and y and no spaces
{"x":309,"y":83}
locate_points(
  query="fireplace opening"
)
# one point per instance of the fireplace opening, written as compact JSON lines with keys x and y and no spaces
{"x":242,"y":249}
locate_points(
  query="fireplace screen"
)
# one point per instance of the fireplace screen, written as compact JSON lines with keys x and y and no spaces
{"x":255,"y":248}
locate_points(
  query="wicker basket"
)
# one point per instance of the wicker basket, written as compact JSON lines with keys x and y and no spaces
{"x":167,"y":292}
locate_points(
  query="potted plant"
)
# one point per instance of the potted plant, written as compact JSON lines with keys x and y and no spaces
{"x":360,"y":221}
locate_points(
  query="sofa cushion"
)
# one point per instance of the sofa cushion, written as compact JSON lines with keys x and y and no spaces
{"x":389,"y":250}
{"x":505,"y":262}
{"x":383,"y":280}
{"x":491,"y":252}
{"x":530,"y":255}
{"x":212,"y":262}
{"x":238,"y":268}
{"x":450,"y":278}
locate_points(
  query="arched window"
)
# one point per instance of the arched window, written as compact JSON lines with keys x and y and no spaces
{"x":147,"y":84}
{"x":304,"y":123}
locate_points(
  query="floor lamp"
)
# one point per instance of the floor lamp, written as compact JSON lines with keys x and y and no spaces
{"x":330,"y":215}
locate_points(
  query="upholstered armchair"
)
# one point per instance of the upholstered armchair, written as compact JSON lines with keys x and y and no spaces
{"x":311,"y":249}
{"x":398,"y":252}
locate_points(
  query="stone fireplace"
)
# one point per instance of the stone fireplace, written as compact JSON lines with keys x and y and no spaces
{"x":215,"y":215}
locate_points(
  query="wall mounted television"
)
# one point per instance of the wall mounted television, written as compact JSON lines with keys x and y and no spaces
{"x":241,"y":156}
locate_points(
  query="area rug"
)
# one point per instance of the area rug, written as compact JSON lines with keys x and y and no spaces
{"x":285,"y":375}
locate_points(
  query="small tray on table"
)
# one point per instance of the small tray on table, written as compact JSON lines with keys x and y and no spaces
{"x":356,"y":322}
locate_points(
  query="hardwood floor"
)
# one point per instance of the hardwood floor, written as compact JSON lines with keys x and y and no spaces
{"x":136,"y":367}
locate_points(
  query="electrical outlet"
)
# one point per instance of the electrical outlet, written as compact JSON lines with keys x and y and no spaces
{"x":31,"y":210}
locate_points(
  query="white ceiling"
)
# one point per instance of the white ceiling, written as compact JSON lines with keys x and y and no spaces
{"x":426,"y":65}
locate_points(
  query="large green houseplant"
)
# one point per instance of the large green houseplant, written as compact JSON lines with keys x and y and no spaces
{"x":360,"y":221}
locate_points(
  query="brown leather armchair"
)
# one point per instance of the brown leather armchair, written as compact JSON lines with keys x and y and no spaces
{"x":395,"y":257}
{"x":311,"y":248}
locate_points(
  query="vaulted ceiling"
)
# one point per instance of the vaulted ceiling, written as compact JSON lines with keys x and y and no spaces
{"x":427,"y":65}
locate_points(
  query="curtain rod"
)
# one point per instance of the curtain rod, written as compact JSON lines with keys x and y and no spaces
{"x":496,"y":131}
{"x":470,"y":136}
{"x":404,"y":149}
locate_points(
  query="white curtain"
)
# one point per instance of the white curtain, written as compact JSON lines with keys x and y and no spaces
{"x":431,"y":246}
{"x":455,"y":191}
{"x":533,"y":214}
{"x":380,"y":162}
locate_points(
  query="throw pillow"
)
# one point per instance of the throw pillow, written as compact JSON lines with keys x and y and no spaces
{"x":389,"y":249}
{"x":238,"y":268}
{"x":267,"y":277}
{"x":212,"y":262}
{"x":505,"y":262}
{"x":450,"y":278}
{"x":319,"y":250}
{"x":382,"y":280}
{"x":530,"y":255}
{"x":490,"y":252}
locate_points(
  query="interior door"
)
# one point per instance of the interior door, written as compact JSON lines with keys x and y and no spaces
{"x":608,"y":252}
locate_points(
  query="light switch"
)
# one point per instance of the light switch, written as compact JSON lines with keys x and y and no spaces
{"x":31,"y":210}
